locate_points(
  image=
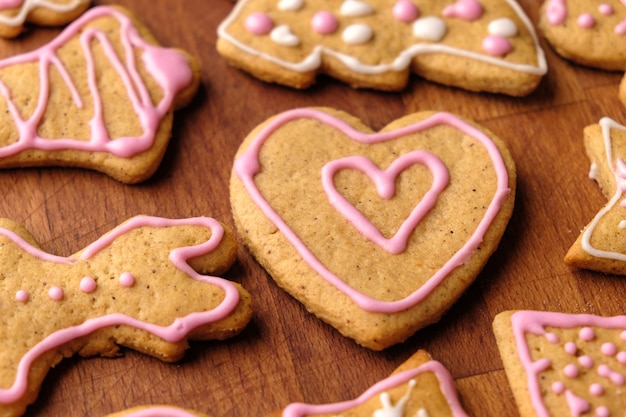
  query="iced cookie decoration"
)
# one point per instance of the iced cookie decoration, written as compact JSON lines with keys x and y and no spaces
{"x":376,"y":234}
{"x":478,"y":45}
{"x":14,"y":14}
{"x":420,"y":387}
{"x":590,"y":33}
{"x":99,"y":96}
{"x":602,"y":244}
{"x":144,"y":285}
{"x":564,"y":364}
{"x":157,"y":411}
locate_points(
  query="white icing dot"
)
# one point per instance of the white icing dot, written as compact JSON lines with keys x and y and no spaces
{"x":622,"y":224}
{"x":357,"y":34}
{"x":355,"y":8}
{"x":282,"y":35}
{"x":503,"y":27}
{"x":290,"y":5}
{"x":430,"y":28}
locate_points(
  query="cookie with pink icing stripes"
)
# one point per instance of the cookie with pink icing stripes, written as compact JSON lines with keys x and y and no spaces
{"x":420,"y":387}
{"x":101,"y":96}
{"x":478,"y":45}
{"x":601,"y":246}
{"x":376,"y":233}
{"x":591,"y":33}
{"x":564,"y":364}
{"x":15,"y":14}
{"x":150,"y":285}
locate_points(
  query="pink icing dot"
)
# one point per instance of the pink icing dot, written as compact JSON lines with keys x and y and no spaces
{"x":604,"y":370}
{"x":585,"y":362}
{"x":55,"y":293}
{"x":324,"y":22}
{"x":621,"y":358}
{"x":127,"y":280}
{"x":259,"y":24}
{"x":405,"y":11}
{"x":608,"y":349}
{"x":587,"y":334}
{"x":558,"y":387}
{"x":88,"y":285}
{"x":552,"y":338}
{"x":603,"y":411}
{"x":620,"y":29}
{"x":596,"y":389}
{"x":571,"y":348}
{"x":497,"y":45}
{"x":464,"y":9}
{"x":21,"y":296}
{"x":586,"y":21}
{"x":606,"y":9}
{"x":623,"y":335}
{"x":570,"y":371}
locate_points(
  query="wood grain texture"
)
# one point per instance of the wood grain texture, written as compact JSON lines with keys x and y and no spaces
{"x":286,"y":355}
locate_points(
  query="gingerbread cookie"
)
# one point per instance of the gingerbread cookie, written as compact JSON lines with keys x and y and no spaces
{"x":420,"y":387}
{"x":602,"y":244}
{"x":478,"y":45}
{"x":14,"y":14}
{"x":379,"y":233}
{"x":157,"y":411}
{"x":591,"y":33}
{"x":99,"y":96}
{"x":140,"y":286}
{"x":564,"y":364}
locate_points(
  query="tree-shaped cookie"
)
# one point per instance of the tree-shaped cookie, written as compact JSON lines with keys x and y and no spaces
{"x":479,"y":45}
{"x":142,"y":286}
{"x":564,"y":364}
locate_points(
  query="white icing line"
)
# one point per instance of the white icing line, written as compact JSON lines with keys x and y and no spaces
{"x":29,"y":5}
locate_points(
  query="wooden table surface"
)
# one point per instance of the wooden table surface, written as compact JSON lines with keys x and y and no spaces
{"x":285,"y":354}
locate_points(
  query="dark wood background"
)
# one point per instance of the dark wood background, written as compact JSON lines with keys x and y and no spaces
{"x":286,"y":355}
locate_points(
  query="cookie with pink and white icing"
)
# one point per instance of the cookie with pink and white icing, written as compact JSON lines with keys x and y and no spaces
{"x":479,"y":45}
{"x":590,"y":33}
{"x":562,"y":364}
{"x":376,"y":233}
{"x":420,"y":387}
{"x":101,"y":96}
{"x":15,"y":14}
{"x":601,"y":246}
{"x":150,"y":285}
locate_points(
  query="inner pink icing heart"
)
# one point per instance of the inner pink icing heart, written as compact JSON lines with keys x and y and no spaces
{"x":384,"y":180}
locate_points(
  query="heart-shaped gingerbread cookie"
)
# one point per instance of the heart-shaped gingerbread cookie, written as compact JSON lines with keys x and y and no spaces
{"x":379,"y":233}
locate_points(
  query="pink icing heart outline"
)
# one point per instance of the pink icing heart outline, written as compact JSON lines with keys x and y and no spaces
{"x":384,"y":181}
{"x":247,"y":165}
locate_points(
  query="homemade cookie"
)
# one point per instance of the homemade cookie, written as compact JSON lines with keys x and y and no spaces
{"x":157,"y":411}
{"x":420,"y":387}
{"x":15,"y":13}
{"x":377,"y":234}
{"x":139,"y":286}
{"x":99,"y":96}
{"x":564,"y":364}
{"x":591,"y":33}
{"x":602,"y":244}
{"x":478,"y":45}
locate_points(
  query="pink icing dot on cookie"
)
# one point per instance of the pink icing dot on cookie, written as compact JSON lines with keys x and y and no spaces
{"x":405,"y":11}
{"x":570,"y":371}
{"x":21,"y":296}
{"x":558,"y":388}
{"x":127,"y":280}
{"x":609,"y":349}
{"x":55,"y":293}
{"x":571,"y":348}
{"x":464,"y":9}
{"x":324,"y":22}
{"x":497,"y":45}
{"x":556,"y":12}
{"x":587,"y":334}
{"x":585,"y":361}
{"x":259,"y":24}
{"x":88,"y":285}
{"x":596,"y":389}
{"x":552,"y":338}
{"x":586,"y":21}
{"x":603,"y":411}
{"x":621,"y":358}
{"x":606,"y":9}
{"x":620,"y":29}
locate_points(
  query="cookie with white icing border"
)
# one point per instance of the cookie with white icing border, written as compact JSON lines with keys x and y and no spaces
{"x":591,"y":33}
{"x":157,"y":411}
{"x":420,"y":387}
{"x":376,"y":233}
{"x":564,"y":364}
{"x":100,"y":96}
{"x":601,"y":246}
{"x":147,"y":285}
{"x":478,"y":45}
{"x":14,"y":14}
